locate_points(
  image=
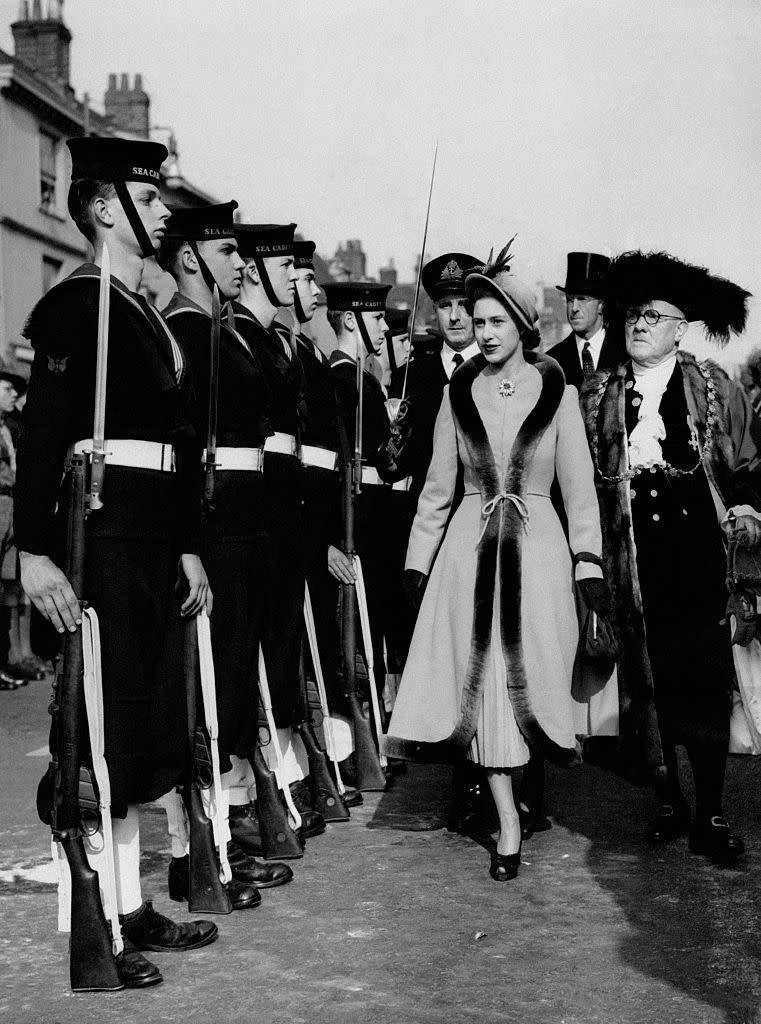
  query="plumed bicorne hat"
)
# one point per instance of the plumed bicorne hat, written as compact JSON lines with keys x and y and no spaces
{"x":638,"y":277}
{"x":495,"y":279}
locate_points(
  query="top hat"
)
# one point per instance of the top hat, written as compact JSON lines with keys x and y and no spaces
{"x":586,"y":274}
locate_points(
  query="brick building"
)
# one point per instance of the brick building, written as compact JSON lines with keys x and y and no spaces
{"x":39,"y":110}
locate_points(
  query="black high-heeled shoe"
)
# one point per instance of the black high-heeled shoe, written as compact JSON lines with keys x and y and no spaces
{"x":504,"y":866}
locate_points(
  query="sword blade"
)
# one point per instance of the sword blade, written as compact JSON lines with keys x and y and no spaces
{"x":411,"y":330}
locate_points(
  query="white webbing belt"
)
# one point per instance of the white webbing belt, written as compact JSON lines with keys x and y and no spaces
{"x":370,"y":476}
{"x":136,"y":454}
{"x":284,"y":444}
{"x":249,"y":460}
{"x":323,"y":458}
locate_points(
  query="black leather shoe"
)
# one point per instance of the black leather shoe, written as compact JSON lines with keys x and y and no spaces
{"x":504,"y":866}
{"x":147,"y":929}
{"x":136,"y":971}
{"x":243,"y":896}
{"x":531,"y":823}
{"x":244,"y":828}
{"x":670,"y":822}
{"x":713,"y":839}
{"x":312,"y":822}
{"x":9,"y":681}
{"x":255,"y":872}
{"x":353,"y":797}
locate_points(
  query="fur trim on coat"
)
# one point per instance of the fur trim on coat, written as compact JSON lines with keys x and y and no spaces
{"x":734,"y":460}
{"x":499,"y":552}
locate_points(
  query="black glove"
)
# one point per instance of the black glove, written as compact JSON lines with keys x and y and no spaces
{"x":413,"y":587}
{"x":596,"y":595}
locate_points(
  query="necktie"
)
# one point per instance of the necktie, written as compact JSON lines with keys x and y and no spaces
{"x":456,"y":361}
{"x":587,"y":363}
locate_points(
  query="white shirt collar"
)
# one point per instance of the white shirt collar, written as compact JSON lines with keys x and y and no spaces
{"x":595,"y":344}
{"x":448,"y":354}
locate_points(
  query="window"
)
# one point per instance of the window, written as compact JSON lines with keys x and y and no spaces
{"x":48,"y":170}
{"x":51,"y":271}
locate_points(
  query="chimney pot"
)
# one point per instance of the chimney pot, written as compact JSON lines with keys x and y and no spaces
{"x":124,"y":83}
{"x":37,"y":10}
{"x":138,"y":82}
{"x":112,"y":83}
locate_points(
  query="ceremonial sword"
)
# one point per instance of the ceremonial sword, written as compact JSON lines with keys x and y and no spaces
{"x":419,"y":273}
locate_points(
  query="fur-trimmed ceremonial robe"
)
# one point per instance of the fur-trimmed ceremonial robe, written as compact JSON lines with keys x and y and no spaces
{"x":491,"y":659}
{"x":729,"y":467}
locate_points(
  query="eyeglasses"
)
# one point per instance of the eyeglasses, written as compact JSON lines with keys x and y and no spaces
{"x":651,"y":316}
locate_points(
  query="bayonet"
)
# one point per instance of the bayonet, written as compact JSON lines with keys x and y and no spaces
{"x":98,"y":456}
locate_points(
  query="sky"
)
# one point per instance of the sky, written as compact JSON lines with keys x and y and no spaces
{"x":579,"y":124}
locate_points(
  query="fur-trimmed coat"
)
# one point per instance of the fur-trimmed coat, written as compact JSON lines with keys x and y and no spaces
{"x":491,"y":659}
{"x":730,"y":469}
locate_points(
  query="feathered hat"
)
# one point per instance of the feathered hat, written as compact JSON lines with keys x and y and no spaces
{"x":494,"y":278}
{"x":637,"y":277}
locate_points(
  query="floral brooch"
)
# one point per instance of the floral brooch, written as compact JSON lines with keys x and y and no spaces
{"x":506,"y":388}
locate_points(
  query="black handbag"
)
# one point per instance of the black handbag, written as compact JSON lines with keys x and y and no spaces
{"x":744,"y":586}
{"x":596,"y":657}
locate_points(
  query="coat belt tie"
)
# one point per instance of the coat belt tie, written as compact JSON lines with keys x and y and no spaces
{"x":495,"y":502}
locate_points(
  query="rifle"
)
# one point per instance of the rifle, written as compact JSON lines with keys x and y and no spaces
{"x":370,"y":776}
{"x":207,"y":894}
{"x":327,"y":797}
{"x":279,"y":821}
{"x":93,"y":966}
{"x":321,"y":701}
{"x":367,"y":644}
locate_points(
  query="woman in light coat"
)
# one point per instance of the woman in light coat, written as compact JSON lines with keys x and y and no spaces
{"x":490,"y":664}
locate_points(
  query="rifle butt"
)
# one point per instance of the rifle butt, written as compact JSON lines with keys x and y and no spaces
{"x":279,"y":840}
{"x":206,"y":893}
{"x":370,"y":775}
{"x":327,"y":798}
{"x":92,"y":964}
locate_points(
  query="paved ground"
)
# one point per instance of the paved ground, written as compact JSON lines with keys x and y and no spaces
{"x":392,"y":919}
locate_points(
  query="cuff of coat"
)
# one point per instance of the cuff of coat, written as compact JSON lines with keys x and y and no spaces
{"x":588,"y":571}
{"x":741,"y":510}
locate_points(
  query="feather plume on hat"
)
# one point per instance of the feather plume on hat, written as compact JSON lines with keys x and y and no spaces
{"x":493,"y":267}
{"x":637,"y":277}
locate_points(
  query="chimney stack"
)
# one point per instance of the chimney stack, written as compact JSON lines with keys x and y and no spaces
{"x":42,"y":42}
{"x":128,"y":108}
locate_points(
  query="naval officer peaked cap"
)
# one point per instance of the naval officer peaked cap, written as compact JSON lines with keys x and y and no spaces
{"x":303,"y":254}
{"x":112,"y":159}
{"x":359,"y":296}
{"x":263,"y":240}
{"x":446,"y":274}
{"x":202,"y":223}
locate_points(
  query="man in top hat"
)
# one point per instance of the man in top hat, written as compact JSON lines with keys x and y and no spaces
{"x":201,"y":253}
{"x":673,"y":441}
{"x":586,"y":348}
{"x":145,"y":539}
{"x":268,"y":282}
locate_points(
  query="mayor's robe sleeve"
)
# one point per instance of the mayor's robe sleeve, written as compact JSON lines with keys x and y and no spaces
{"x":435,"y":502}
{"x":575,"y":473}
{"x":63,"y":334}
